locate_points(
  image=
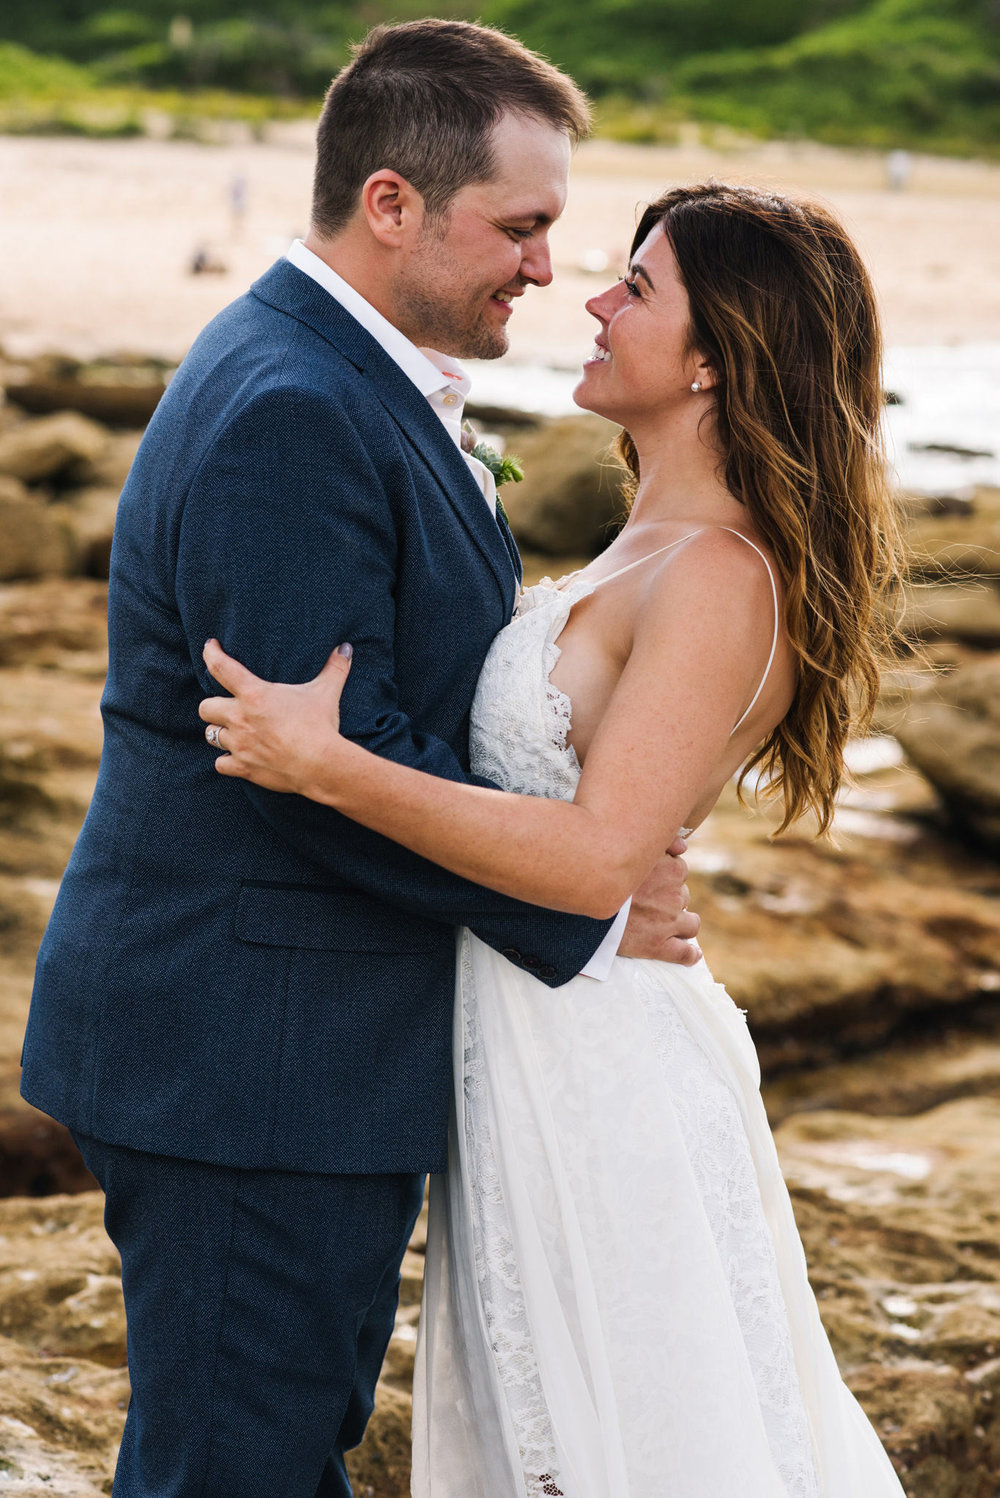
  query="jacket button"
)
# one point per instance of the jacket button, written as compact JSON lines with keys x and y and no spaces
{"x":532,"y":962}
{"x":511,"y":954}
{"x":546,"y":971}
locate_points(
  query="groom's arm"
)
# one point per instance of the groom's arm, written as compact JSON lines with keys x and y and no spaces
{"x":287,"y":546}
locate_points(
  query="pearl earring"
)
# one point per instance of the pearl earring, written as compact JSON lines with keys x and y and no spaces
{"x":695,"y":387}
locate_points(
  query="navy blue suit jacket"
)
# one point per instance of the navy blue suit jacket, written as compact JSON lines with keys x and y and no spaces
{"x":230,"y":974}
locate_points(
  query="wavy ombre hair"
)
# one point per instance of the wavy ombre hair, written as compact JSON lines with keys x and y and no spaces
{"x":783,"y":310}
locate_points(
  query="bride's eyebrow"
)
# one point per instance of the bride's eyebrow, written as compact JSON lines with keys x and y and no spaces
{"x":640,"y":270}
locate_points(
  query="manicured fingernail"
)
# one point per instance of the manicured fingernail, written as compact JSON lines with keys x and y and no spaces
{"x":346,"y":651}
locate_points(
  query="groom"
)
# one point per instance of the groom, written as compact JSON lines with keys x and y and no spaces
{"x":243,"y":1002}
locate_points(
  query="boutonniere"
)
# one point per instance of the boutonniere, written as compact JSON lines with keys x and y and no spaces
{"x":504,"y":467}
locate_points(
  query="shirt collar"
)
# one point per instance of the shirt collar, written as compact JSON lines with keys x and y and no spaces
{"x":448,"y":400}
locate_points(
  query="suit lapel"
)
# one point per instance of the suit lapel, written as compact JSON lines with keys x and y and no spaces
{"x":511,"y":544}
{"x":291,"y":291}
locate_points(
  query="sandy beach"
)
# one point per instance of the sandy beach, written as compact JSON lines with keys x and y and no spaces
{"x":96,"y":237}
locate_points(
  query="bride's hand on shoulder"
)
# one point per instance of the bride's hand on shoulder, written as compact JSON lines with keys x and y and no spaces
{"x":278,"y":736}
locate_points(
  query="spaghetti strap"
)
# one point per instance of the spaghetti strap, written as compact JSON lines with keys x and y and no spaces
{"x":777,"y":620}
{"x":647,"y":558}
{"x":774,"y":594}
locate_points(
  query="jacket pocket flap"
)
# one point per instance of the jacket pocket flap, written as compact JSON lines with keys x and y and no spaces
{"x":334,"y":920}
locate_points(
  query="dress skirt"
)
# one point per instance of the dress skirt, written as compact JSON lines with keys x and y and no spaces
{"x":616,"y":1302}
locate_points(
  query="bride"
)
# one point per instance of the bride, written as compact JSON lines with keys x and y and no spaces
{"x":616,"y":1302}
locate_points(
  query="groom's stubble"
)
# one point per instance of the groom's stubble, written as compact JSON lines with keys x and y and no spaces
{"x":446,"y":302}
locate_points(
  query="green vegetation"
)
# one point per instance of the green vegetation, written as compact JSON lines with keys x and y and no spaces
{"x":874,"y":72}
{"x":892,"y":75}
{"x":49,"y":96}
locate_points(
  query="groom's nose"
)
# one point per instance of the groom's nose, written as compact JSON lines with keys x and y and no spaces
{"x":536,"y":260}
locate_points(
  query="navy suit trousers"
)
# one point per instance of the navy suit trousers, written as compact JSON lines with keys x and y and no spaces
{"x":260,"y":1305}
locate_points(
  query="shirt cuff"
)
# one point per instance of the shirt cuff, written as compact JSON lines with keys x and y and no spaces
{"x":599,"y":966}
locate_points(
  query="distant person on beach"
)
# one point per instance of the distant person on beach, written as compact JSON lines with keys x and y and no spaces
{"x":244,"y":1004}
{"x":898,"y":169}
{"x":204,"y":263}
{"x":238,"y":201}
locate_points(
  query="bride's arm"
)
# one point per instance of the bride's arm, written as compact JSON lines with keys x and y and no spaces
{"x":700,"y":640}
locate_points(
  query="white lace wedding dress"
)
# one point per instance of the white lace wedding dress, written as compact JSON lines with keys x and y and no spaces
{"x":616,"y":1302}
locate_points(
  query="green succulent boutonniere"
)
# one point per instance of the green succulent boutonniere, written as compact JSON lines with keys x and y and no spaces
{"x":504,"y":467}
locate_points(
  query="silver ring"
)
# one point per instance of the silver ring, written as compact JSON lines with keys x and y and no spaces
{"x":212,"y":735}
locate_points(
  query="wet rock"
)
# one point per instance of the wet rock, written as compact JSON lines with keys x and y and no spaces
{"x":965,"y":611}
{"x":121,"y":392}
{"x":899,"y":1219}
{"x":33,"y":543}
{"x":88,"y":516}
{"x":37,"y":1155}
{"x":110,"y":468}
{"x":63,"y":1383}
{"x":832,"y":948}
{"x":935,"y":1058}
{"x":60,"y":1290}
{"x":45,"y":448}
{"x":957,"y":537}
{"x":952,"y":734}
{"x":55,"y":624}
{"x":570,"y":493}
{"x":380,"y":1468}
{"x":60,"y":1424}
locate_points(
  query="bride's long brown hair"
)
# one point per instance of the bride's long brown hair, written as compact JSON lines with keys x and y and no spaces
{"x":783,"y":309}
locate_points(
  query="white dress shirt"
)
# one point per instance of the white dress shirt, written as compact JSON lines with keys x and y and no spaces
{"x":446,"y":386}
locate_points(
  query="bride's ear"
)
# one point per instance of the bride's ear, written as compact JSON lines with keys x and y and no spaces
{"x":704,"y":375}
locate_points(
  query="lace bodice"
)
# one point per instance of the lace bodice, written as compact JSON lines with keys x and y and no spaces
{"x":520,"y":721}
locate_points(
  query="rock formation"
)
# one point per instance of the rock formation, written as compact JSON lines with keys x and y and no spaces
{"x":569,"y":500}
{"x":952,"y":735}
{"x":60,"y":477}
{"x":870,"y":969}
{"x":899,"y":1218}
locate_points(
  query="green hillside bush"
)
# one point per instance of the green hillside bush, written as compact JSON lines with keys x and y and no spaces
{"x":890,"y":76}
{"x":24,"y":72}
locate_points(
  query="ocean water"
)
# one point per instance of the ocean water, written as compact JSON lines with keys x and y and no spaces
{"x":944,"y":435}
{"x":950,"y":399}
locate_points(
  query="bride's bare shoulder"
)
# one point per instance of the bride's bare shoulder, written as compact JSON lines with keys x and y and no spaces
{"x":718,"y":567}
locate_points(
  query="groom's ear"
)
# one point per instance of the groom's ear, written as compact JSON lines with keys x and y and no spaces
{"x":393,"y":209}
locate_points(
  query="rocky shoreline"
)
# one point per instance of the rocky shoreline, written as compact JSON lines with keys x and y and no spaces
{"x":870,"y":969}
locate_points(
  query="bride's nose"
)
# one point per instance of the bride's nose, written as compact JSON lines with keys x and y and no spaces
{"x":603,"y":306}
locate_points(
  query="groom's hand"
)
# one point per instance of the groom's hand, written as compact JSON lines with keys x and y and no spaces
{"x":660,"y":926}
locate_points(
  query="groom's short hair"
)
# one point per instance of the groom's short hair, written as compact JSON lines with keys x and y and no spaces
{"x":422,"y":99}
